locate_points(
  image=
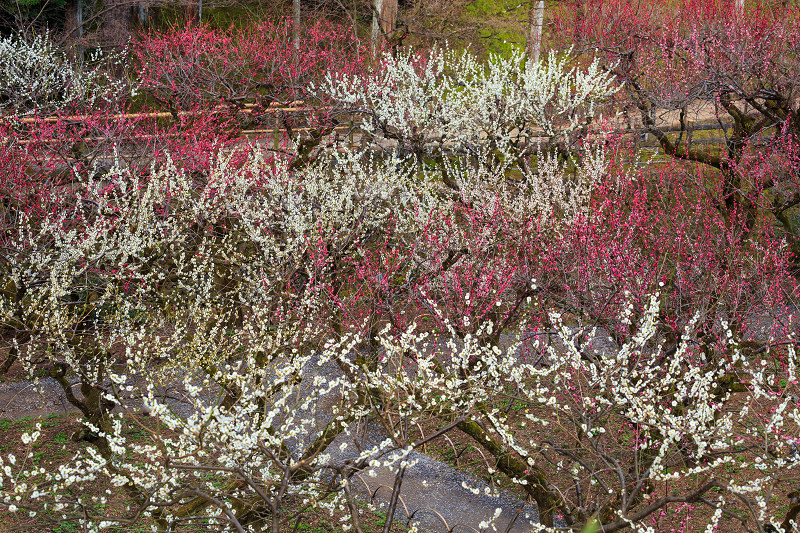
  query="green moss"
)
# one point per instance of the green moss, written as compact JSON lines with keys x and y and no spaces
{"x":502,"y":42}
{"x":238,"y":17}
{"x":495,"y":7}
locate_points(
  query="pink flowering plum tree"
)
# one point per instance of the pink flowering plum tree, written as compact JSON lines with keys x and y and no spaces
{"x":700,"y":63}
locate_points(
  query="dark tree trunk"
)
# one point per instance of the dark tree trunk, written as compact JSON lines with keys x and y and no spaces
{"x":117,"y":17}
{"x":73,"y":16}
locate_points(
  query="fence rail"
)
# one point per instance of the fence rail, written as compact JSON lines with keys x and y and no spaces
{"x":246,"y":108}
{"x":300,"y":109}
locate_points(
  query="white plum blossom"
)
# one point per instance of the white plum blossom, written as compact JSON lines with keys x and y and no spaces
{"x":37,"y":77}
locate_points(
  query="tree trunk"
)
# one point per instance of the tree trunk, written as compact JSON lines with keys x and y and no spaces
{"x":355,"y":19}
{"x":388,"y":16}
{"x":117,"y":22}
{"x":143,"y":13}
{"x":535,"y":25}
{"x":190,"y":12}
{"x":376,"y":27}
{"x":577,"y":35}
{"x":73,"y":22}
{"x":296,"y":28}
{"x":384,"y":18}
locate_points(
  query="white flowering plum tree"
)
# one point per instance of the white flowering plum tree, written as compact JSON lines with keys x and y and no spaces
{"x":487,"y":118}
{"x":561,"y":426}
{"x":37,"y":77}
{"x":163,"y":265}
{"x":452,"y":99}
